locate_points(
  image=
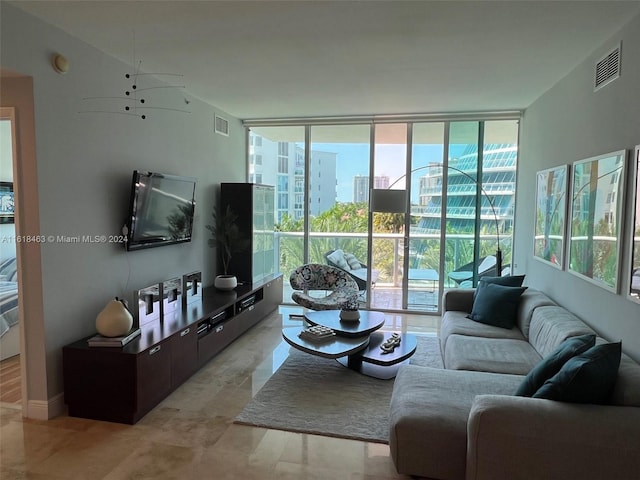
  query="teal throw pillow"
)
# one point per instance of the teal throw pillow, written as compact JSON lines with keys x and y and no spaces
{"x":585,"y":378}
{"x":496,"y":305}
{"x":552,"y":363}
{"x":507,"y":281}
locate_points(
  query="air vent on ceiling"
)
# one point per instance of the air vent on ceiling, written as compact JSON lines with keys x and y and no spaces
{"x":222,"y":126}
{"x":607,"y":68}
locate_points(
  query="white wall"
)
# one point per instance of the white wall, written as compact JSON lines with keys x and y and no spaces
{"x":84,"y":165}
{"x":572,"y":122}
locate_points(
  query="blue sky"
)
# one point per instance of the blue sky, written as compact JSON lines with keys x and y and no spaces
{"x":353,"y":160}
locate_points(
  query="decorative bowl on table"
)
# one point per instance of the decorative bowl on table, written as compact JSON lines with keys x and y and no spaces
{"x":350,"y":312}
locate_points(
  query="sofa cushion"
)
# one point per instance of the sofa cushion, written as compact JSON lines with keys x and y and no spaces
{"x":626,"y":392}
{"x":497,"y":355}
{"x":457,"y":300}
{"x":428,"y":414}
{"x":353,"y":262}
{"x":551,"y":364}
{"x":457,"y":323}
{"x":529,"y":301}
{"x":337,"y":258}
{"x":496,"y":305}
{"x":552,"y":325}
{"x":585,"y":378}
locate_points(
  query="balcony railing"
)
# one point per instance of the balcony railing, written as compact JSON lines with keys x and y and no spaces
{"x":459,"y":250}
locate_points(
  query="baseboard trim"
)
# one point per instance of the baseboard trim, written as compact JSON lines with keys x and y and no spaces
{"x":46,"y":409}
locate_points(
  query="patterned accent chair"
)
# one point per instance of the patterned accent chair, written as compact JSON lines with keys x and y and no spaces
{"x":315,"y":276}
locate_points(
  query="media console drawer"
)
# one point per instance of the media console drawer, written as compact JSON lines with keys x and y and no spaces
{"x":184,"y":355}
{"x":220,"y":335}
{"x":153,"y":377}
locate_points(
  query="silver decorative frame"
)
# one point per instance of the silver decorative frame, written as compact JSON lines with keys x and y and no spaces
{"x":191,"y":288}
{"x":549,"y":230}
{"x":147,"y":304}
{"x":596,"y":222}
{"x":171,"y":296}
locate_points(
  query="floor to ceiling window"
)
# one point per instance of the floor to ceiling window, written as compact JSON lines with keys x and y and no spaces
{"x":459,"y":178}
{"x":338,"y":191}
{"x":481,"y":187}
{"x":276,"y":156}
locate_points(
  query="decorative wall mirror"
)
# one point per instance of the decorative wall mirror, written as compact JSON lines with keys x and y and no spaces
{"x":551,"y":212}
{"x":634,"y":271}
{"x":597,"y":201}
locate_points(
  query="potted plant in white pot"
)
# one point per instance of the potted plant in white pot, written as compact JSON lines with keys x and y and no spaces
{"x":227,"y":238}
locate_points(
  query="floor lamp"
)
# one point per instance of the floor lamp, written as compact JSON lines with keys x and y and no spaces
{"x":396,"y":201}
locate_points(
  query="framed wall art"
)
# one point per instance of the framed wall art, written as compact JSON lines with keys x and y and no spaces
{"x":597,"y":202}
{"x":551,"y":211}
{"x":634,"y":236}
{"x":7,"y":203}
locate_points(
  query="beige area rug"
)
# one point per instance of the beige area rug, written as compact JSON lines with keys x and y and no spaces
{"x":310,"y":394}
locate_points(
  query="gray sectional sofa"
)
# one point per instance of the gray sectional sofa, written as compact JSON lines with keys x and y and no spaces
{"x":464,"y":421}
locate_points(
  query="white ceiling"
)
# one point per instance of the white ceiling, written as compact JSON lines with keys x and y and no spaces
{"x":280,"y":59}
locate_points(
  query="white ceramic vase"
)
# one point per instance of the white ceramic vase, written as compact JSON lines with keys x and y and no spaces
{"x":225,"y":282}
{"x":114,"y":320}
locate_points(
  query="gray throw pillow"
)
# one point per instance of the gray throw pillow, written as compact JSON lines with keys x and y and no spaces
{"x":585,"y":378}
{"x":552,"y":363}
{"x":496,"y":305}
{"x":353,"y":262}
{"x":507,"y":281}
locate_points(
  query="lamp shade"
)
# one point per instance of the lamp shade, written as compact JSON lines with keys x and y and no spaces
{"x":388,"y":201}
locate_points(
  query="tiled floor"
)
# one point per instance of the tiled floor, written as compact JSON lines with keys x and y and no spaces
{"x":191,"y":433}
{"x":10,"y":380}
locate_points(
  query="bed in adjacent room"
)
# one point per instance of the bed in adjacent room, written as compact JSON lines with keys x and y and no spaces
{"x":9,"y":328}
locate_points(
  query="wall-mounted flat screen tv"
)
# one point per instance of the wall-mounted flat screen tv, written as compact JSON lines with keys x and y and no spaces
{"x":161,"y":210}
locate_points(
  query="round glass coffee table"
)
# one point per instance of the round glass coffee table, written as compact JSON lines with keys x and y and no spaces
{"x":356,"y":344}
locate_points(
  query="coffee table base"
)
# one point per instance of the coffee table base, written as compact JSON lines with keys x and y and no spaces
{"x":371,"y":369}
{"x":372,"y":362}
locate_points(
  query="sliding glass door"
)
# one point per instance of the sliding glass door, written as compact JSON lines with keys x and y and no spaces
{"x":459,"y":179}
{"x":425,"y":240}
{"x":388,"y":238}
{"x":406,"y":237}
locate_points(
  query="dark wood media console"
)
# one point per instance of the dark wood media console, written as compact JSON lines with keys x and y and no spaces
{"x":124,"y":384}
